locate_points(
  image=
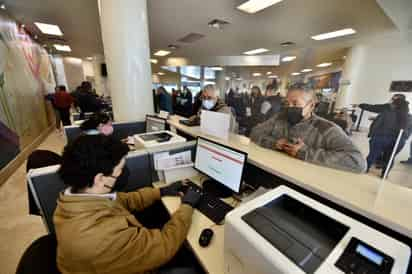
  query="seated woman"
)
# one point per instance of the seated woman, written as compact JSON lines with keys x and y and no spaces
{"x":95,"y":228}
{"x":99,"y":123}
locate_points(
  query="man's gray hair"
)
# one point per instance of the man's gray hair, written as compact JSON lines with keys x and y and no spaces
{"x":304,"y":88}
{"x":210,"y":88}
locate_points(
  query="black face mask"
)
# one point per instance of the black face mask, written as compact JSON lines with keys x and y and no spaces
{"x":121,"y":180}
{"x":294,"y":115}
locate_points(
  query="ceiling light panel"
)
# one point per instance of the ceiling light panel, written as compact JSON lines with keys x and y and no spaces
{"x":268,"y":73}
{"x":334,"y":34}
{"x":256,"y":74}
{"x":306,"y":70}
{"x":288,"y":58}
{"x":65,"y":48}
{"x":295,"y":73}
{"x":273,"y":76}
{"x":324,"y":65}
{"x":162,"y":53}
{"x":255,"y":51}
{"x":49,"y":29}
{"x":216,"y":68}
{"x":253,"y":6}
{"x":153,"y":61}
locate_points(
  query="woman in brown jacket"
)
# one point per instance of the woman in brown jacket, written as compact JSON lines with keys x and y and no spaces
{"x":96,"y":231}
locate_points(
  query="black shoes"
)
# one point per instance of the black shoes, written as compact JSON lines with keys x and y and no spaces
{"x":407,"y":162}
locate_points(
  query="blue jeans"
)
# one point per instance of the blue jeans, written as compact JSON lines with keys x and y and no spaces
{"x":379,"y":145}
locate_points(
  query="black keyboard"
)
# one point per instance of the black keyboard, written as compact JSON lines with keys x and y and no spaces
{"x":190,"y":123}
{"x":209,"y":205}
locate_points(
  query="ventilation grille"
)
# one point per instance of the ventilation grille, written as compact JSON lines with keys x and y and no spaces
{"x":191,"y":38}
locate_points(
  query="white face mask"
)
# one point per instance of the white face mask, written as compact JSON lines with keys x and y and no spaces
{"x":208,"y":104}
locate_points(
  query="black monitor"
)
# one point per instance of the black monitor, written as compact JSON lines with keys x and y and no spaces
{"x":154,"y":123}
{"x":224,"y":165}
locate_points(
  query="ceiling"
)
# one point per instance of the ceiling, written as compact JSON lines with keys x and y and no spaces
{"x":170,"y":20}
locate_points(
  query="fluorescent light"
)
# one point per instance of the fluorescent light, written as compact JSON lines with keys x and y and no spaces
{"x":255,"y":51}
{"x":268,"y":73}
{"x":216,"y":68}
{"x":160,"y":73}
{"x":162,"y":53}
{"x":239,"y":79}
{"x":288,"y":58}
{"x":154,"y":61}
{"x":253,"y":6}
{"x":306,"y":70}
{"x":273,"y":76}
{"x":334,"y":34}
{"x":324,"y":65}
{"x":3,"y":6}
{"x":89,"y":58}
{"x":49,"y":29}
{"x":256,"y":74}
{"x":62,"y":47}
{"x":227,"y":78}
{"x":296,"y":73}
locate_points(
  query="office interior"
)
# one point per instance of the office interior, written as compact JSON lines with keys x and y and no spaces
{"x":148,"y":63}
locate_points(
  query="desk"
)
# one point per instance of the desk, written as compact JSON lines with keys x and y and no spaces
{"x":211,"y":257}
{"x":382,"y":202}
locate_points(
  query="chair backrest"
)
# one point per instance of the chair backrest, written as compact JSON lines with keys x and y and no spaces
{"x":120,"y":130}
{"x":40,"y":257}
{"x":45,"y":184}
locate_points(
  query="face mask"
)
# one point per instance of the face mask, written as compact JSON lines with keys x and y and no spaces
{"x":121,"y":180}
{"x":208,"y":104}
{"x":294,"y":115}
{"x":106,"y":130}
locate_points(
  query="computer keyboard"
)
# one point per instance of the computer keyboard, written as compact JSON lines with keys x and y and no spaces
{"x":209,"y":205}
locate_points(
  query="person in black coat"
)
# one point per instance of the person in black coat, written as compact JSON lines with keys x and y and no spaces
{"x":392,"y":117}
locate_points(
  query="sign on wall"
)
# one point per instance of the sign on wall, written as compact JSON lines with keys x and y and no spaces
{"x":401,"y":86}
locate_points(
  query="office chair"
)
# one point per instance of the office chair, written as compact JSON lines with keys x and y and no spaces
{"x":40,"y":257}
{"x":37,"y":159}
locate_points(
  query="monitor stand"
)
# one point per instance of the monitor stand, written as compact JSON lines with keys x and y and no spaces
{"x":216,"y":189}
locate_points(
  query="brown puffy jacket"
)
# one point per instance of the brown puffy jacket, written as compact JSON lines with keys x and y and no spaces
{"x":99,"y":235}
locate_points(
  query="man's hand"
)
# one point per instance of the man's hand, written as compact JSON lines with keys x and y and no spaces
{"x":293,"y":149}
{"x":280,"y":144}
{"x":172,"y":190}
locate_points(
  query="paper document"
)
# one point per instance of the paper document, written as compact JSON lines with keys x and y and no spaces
{"x":175,"y":160}
{"x":164,"y":114}
{"x":215,"y":123}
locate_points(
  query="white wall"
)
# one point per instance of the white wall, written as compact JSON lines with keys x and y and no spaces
{"x":60,"y":74}
{"x":88,"y":69}
{"x":74,"y":72}
{"x":372,"y":66}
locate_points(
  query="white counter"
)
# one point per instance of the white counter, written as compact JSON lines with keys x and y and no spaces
{"x":383,"y":202}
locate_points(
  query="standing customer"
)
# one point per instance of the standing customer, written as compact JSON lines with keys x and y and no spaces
{"x":63,"y":102}
{"x":392,"y":117}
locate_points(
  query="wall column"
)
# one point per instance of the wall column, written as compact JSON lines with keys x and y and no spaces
{"x":127,"y":52}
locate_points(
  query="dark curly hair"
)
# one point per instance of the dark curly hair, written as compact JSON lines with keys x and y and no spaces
{"x":94,"y":121}
{"x":88,"y":156}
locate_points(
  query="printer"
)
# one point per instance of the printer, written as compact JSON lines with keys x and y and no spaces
{"x":284,"y":231}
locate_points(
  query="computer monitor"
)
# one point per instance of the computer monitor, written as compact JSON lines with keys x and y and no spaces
{"x":154,"y":123}
{"x":223,"y":164}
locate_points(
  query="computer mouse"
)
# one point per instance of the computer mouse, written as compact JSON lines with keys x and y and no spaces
{"x":205,"y":237}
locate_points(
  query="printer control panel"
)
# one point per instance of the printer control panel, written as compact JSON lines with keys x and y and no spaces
{"x":361,"y":258}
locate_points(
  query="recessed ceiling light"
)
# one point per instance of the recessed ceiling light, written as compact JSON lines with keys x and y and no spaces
{"x":160,"y":73}
{"x":296,"y":73}
{"x":89,"y":58}
{"x":268,"y":73}
{"x":216,"y":68}
{"x":153,"y":61}
{"x":227,"y":78}
{"x":253,"y":6}
{"x":65,"y":48}
{"x":344,"y":57}
{"x":306,"y":70}
{"x":288,"y":58}
{"x":162,"y":53}
{"x":49,"y":29}
{"x":256,"y":74}
{"x":323,"y":65}
{"x":239,"y":79}
{"x":334,"y":34}
{"x":255,"y":51}
{"x":273,"y":76}
{"x":23,"y":26}
{"x":3,"y":6}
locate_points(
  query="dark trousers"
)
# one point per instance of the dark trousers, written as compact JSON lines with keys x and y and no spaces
{"x":381,"y":146}
{"x":65,"y":116}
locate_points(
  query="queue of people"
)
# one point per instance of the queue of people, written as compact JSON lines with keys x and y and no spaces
{"x":178,"y":102}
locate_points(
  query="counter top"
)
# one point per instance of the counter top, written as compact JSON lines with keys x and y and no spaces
{"x":380,"y":201}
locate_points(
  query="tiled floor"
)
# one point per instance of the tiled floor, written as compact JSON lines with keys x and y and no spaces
{"x":18,"y":229}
